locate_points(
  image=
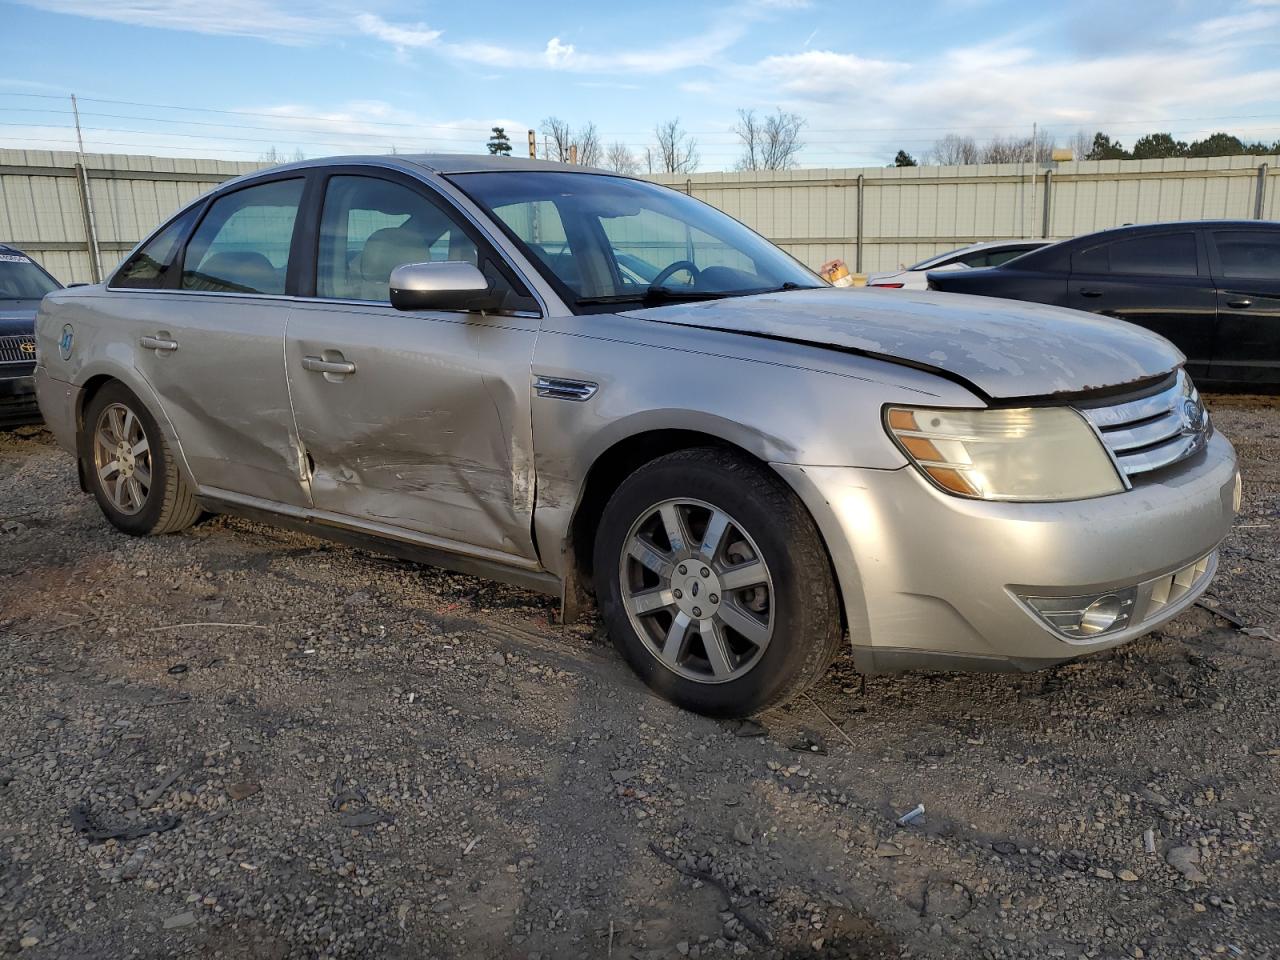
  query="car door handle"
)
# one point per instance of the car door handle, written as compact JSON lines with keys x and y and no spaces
{"x":158,"y":343}
{"x":1239,"y":304}
{"x":321,"y":365}
{"x":1090,"y":293}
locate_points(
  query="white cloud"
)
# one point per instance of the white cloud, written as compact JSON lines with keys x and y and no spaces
{"x":418,"y":35}
{"x":242,"y":18}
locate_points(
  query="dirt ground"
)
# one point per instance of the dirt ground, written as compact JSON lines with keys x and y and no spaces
{"x":328,"y":753}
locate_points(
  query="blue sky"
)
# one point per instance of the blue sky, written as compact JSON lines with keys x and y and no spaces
{"x":327,"y":78}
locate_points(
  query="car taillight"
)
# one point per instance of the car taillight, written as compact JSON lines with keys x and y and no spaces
{"x":891,"y":286}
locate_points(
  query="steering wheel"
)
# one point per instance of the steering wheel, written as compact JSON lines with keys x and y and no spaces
{"x":667,"y":272}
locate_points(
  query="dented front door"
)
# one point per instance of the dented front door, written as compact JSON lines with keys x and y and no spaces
{"x":417,"y":420}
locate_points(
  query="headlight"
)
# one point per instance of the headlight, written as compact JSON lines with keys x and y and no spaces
{"x":1030,"y":453}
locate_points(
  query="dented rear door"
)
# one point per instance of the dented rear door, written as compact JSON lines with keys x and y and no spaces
{"x":417,"y":420}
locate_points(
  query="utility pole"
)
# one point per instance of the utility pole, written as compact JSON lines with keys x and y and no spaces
{"x":573,"y":153}
{"x":533,"y":145}
{"x":86,"y":196}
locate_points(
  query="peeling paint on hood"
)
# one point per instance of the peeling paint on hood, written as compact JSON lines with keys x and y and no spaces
{"x":1005,"y":348}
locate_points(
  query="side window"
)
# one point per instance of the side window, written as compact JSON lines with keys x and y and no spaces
{"x":371,"y":226}
{"x":1165,"y":254}
{"x":242,"y":244}
{"x":1248,"y":254}
{"x":146,"y":269}
{"x":1004,"y":256}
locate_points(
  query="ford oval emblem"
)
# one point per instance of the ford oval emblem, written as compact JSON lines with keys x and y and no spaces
{"x":64,"y":342}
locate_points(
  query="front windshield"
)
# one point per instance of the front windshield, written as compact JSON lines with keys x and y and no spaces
{"x":601,"y":239}
{"x":21,"y":279}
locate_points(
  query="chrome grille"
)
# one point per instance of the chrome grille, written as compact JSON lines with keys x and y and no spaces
{"x":18,"y":349}
{"x":1154,"y":431}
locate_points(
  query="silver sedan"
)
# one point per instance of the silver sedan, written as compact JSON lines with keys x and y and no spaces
{"x":588,"y":384}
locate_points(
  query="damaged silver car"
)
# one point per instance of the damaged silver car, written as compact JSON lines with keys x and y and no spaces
{"x":588,"y":384}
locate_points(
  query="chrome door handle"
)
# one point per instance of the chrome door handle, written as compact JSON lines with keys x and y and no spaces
{"x":158,"y":343}
{"x":321,"y":365}
{"x":1239,"y":304}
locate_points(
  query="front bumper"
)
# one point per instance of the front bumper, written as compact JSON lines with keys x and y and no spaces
{"x":58,"y":404}
{"x":17,"y":396}
{"x":931,"y":580}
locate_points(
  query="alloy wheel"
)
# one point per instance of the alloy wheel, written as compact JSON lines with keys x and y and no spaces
{"x":697,"y":590}
{"x":122,"y":458}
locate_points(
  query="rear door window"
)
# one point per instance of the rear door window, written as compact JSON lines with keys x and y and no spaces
{"x":242,"y":244}
{"x":148,"y":268}
{"x":1161,"y":255}
{"x":1248,"y":254}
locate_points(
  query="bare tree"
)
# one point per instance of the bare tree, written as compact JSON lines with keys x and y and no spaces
{"x":560,"y":135}
{"x":771,"y":143}
{"x":1081,"y":144}
{"x":621,"y":160}
{"x":590,"y":151}
{"x":677,"y":152}
{"x":563,"y":141}
{"x":953,"y":149}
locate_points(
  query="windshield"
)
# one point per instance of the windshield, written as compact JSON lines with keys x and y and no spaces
{"x":600,"y":239}
{"x":21,"y":279}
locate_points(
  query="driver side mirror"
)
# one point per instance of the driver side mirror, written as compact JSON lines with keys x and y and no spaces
{"x":444,"y":285}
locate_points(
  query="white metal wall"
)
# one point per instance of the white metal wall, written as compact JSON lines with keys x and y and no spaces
{"x":908,"y":213}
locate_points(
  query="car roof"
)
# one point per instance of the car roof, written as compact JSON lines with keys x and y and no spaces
{"x":1138,"y":228}
{"x":1030,"y":242}
{"x":441,"y":163}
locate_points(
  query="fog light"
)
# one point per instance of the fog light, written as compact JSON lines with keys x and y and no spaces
{"x":1101,"y":615}
{"x":1085,"y":617}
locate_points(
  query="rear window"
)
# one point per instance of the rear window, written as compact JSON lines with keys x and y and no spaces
{"x":21,"y":279}
{"x":1248,"y":254}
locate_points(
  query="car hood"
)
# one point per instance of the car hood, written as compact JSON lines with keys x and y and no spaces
{"x":17,"y":316}
{"x":1004,"y":348}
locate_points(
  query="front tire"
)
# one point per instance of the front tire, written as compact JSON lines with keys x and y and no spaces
{"x":715,"y":585}
{"x":130,"y":468}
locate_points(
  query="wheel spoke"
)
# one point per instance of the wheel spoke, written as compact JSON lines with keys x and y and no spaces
{"x":673,"y":647}
{"x":677,"y":533}
{"x":127,"y":429}
{"x":652,"y":601}
{"x":108,"y":469}
{"x":717,"y":650}
{"x":717,"y":526}
{"x":142,"y":446}
{"x":650,"y":557}
{"x":117,"y":425}
{"x":739,"y":620}
{"x":135,"y":492}
{"x":105,"y":442}
{"x":143,"y":476}
{"x":744,"y":575}
{"x":118,"y":492}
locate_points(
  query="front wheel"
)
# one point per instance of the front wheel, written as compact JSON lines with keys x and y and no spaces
{"x":715,"y":584}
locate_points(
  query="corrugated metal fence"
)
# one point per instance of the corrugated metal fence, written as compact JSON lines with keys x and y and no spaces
{"x":874,"y":218}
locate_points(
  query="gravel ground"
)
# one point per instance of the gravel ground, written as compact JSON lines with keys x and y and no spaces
{"x":312,"y":751}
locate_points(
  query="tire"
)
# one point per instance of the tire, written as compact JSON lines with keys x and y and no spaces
{"x":141,"y":492}
{"x":717,"y":663}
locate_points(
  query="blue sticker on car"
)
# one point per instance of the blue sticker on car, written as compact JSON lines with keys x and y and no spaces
{"x":64,"y":344}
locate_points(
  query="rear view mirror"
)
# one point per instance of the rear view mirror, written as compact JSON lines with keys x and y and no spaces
{"x":445,"y":285}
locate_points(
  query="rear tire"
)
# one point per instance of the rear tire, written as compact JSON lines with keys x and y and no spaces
{"x":130,"y":468}
{"x":715,"y":584}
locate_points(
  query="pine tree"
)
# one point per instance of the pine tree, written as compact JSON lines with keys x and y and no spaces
{"x":498,"y":143}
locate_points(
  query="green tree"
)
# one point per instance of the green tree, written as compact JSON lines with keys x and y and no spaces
{"x":1216,"y":145}
{"x":904,"y":159}
{"x":498,"y":143}
{"x":1104,"y":148}
{"x":1157,"y":146}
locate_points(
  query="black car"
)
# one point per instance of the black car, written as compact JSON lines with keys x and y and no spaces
{"x":23,"y":283}
{"x":1210,"y":286}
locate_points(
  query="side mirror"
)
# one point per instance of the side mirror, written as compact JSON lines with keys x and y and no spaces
{"x":445,"y":285}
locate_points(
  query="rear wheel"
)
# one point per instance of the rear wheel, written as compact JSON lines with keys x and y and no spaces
{"x":715,"y":584}
{"x":130,"y":468}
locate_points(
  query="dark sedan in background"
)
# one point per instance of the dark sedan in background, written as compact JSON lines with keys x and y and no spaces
{"x":23,"y":283}
{"x":1210,"y":286}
